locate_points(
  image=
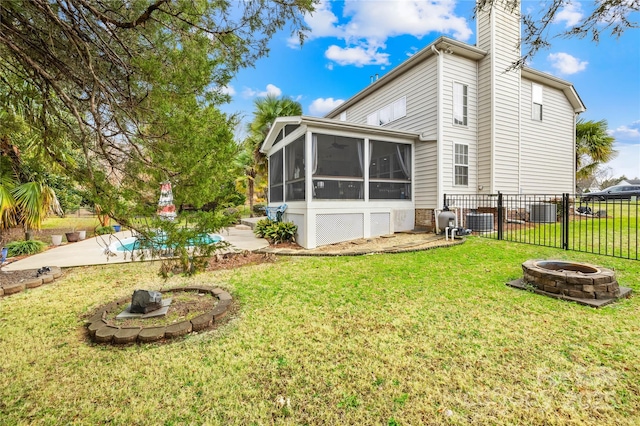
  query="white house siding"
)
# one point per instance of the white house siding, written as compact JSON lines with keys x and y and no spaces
{"x":547,"y":145}
{"x":484,"y":153}
{"x":419,"y":85}
{"x":425,"y":175}
{"x":499,"y":143}
{"x":459,"y":70}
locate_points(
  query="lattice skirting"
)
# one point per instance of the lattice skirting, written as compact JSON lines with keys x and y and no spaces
{"x":334,"y":228}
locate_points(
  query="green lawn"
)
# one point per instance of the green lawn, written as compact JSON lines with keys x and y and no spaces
{"x":70,"y":222}
{"x":431,"y":337}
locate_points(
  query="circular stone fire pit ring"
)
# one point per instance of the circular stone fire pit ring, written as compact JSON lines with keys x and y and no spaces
{"x":572,"y":279}
{"x":100,"y":331}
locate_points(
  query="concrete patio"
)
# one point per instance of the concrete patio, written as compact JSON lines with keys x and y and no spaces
{"x":92,"y":250}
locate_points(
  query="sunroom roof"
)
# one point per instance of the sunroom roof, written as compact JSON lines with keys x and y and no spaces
{"x":328,"y":124}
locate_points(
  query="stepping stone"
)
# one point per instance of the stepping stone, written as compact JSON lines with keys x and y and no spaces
{"x":13,"y":288}
{"x":105,"y":334}
{"x":202,"y":321}
{"x":151,"y":334}
{"x":178,"y":329}
{"x":33,"y":282}
{"x":126,"y":335}
{"x":243,"y":227}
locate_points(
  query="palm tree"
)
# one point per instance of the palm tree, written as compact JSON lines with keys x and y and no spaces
{"x":593,"y":147}
{"x":267,"y":109}
{"x":25,"y":202}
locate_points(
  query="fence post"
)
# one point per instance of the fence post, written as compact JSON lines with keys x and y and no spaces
{"x":565,"y":221}
{"x":500,"y":217}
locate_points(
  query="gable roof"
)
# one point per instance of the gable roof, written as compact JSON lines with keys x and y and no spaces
{"x":442,"y":43}
{"x":557,"y":83}
{"x":466,"y":51}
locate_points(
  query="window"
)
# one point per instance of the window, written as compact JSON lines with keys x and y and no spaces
{"x":337,"y":167}
{"x":536,"y":99}
{"x":389,"y":171}
{"x":294,"y":170}
{"x":275,"y":177}
{"x":461,"y":165}
{"x":460,"y":104}
{"x":388,"y":113}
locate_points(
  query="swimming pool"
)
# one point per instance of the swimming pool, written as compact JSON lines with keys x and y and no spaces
{"x":132,"y":243}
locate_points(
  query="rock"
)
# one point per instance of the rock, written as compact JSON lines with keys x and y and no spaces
{"x":144,"y":301}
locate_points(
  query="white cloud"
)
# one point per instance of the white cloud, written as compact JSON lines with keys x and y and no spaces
{"x":627,"y":133}
{"x":571,"y":14}
{"x":271,"y":89}
{"x":228,"y":90}
{"x":365,"y":27}
{"x":566,"y":64}
{"x":393,"y":18}
{"x":322,"y":106}
{"x":322,"y":23}
{"x":358,"y":56}
{"x":627,"y":162}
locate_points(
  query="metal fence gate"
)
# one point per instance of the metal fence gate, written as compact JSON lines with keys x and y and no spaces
{"x":566,"y":221}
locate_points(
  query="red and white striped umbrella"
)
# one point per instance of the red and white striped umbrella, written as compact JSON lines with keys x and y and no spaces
{"x":166,"y":209}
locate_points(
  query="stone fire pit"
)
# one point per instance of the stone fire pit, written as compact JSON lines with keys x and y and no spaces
{"x":580,"y":282}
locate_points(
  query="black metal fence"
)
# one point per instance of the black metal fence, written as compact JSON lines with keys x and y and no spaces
{"x":566,"y":221}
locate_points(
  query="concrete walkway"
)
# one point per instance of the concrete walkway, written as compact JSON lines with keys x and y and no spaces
{"x":92,"y":251}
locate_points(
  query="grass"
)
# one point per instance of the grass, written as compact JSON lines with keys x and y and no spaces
{"x":69,"y":223}
{"x":617,"y":235}
{"x":430,"y":337}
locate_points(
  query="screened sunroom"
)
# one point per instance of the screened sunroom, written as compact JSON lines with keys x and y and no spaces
{"x":340,"y":181}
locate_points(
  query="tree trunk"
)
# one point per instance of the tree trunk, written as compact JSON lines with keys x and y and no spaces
{"x":250,"y":188}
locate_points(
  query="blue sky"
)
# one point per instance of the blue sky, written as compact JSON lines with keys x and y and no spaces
{"x":351,"y":41}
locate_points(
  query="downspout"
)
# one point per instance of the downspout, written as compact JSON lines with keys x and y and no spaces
{"x":520,"y":131}
{"x":492,"y":140}
{"x":440,"y":127}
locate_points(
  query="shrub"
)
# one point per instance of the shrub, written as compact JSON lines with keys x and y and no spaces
{"x":276,"y":232}
{"x":232,"y":213}
{"x":102,"y":230}
{"x":20,"y":248}
{"x":259,"y":208}
{"x":261,"y":227}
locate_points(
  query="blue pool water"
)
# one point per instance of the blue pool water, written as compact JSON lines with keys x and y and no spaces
{"x":130,"y":244}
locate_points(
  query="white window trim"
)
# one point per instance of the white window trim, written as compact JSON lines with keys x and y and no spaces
{"x":455,"y":164}
{"x":465,"y":117}
{"x":537,"y":98}
{"x":397,"y":110}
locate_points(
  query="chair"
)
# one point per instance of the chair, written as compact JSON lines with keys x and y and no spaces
{"x":275,"y":213}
